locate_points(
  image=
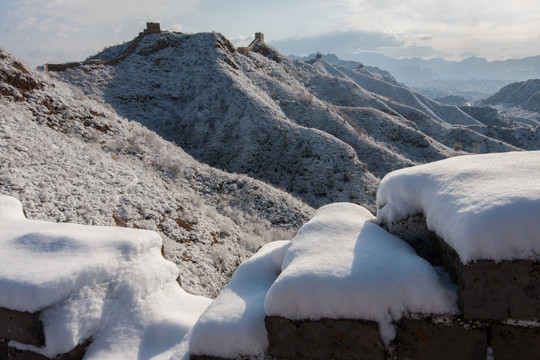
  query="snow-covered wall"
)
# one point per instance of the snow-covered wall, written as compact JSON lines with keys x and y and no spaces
{"x":348,"y":287}
{"x":107,"y":284}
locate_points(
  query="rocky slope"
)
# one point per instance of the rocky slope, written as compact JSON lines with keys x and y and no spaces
{"x":108,"y":145}
{"x":68,"y":158}
{"x":321,"y":132}
{"x":520,"y":101}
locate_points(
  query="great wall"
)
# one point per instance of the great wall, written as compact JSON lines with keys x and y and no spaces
{"x":499,"y":304}
{"x":151,"y":28}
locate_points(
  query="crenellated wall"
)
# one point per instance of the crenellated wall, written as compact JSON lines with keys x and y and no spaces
{"x":151,"y":28}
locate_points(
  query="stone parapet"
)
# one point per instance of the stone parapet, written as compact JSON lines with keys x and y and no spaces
{"x":323,"y":339}
{"x":442,"y":338}
{"x":21,"y":326}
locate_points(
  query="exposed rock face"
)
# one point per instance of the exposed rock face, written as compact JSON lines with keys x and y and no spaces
{"x":16,"y":80}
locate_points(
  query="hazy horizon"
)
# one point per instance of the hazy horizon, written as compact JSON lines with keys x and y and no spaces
{"x":67,"y":30}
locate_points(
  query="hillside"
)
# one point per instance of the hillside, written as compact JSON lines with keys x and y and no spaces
{"x":68,"y":158}
{"x":520,"y":101}
{"x":473,"y":78}
{"x":323,"y":133}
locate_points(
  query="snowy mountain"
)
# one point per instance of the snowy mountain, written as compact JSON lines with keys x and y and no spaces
{"x":68,"y":158}
{"x":473,"y":78}
{"x":519,"y":101}
{"x":321,"y":132}
{"x":137,"y":144}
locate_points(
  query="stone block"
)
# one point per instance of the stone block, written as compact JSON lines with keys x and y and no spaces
{"x":428,"y":338}
{"x":494,"y":291}
{"x":487,"y":290}
{"x":497,"y":291}
{"x":76,"y":354}
{"x":415,"y":232}
{"x":324,"y":339}
{"x":21,"y":326}
{"x":511,"y":342}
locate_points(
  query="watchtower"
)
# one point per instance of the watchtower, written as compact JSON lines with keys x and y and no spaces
{"x":259,"y":36}
{"x":152,"y":28}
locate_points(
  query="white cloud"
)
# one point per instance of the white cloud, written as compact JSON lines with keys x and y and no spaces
{"x":96,"y":13}
{"x":449,"y":22}
{"x":490,"y":28}
{"x":177,"y":27}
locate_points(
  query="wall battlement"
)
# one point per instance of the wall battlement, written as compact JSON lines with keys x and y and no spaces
{"x":259,"y":38}
{"x":151,"y":28}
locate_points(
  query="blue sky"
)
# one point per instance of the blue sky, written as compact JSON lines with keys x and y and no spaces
{"x":39,"y":31}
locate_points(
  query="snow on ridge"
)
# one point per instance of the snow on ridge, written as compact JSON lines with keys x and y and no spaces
{"x":106,"y":283}
{"x":342,"y":265}
{"x":484,"y":206}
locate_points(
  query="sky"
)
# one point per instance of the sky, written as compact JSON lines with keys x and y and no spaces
{"x":40,"y":31}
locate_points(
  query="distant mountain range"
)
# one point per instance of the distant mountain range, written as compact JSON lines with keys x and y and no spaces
{"x":473,"y":78}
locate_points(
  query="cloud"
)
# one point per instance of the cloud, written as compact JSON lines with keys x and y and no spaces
{"x":94,"y":14}
{"x":468,"y":54}
{"x":177,"y":27}
{"x":337,"y":42}
{"x":424,"y":36}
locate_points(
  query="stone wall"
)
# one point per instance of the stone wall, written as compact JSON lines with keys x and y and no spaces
{"x":259,"y":38}
{"x":27,"y":328}
{"x":499,"y":304}
{"x":151,"y":29}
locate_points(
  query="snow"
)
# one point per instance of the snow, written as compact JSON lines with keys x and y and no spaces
{"x":484,"y":206}
{"x":342,"y":265}
{"x":63,"y":168}
{"x":233,"y":325}
{"x":110,"y":284}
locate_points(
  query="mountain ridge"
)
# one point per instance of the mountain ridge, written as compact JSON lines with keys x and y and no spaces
{"x":279,"y":120}
{"x":473,"y":77}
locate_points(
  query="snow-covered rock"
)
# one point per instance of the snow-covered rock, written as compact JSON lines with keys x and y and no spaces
{"x":106,"y":283}
{"x":483,"y":206}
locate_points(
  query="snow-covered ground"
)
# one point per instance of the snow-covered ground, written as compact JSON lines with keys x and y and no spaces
{"x":321,"y":132}
{"x":110,"y":284}
{"x":484,"y":206}
{"x":68,"y":158}
{"x":520,"y":101}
